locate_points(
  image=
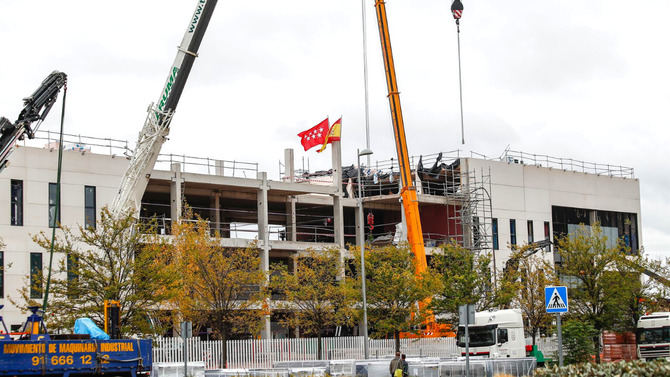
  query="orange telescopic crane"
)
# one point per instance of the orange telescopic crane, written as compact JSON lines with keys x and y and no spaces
{"x":408,"y":192}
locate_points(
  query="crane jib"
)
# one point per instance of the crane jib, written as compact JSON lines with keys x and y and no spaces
{"x":168,"y":89}
{"x":196,"y":16}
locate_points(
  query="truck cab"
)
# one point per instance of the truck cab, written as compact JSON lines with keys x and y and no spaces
{"x":653,"y":336}
{"x":495,"y":334}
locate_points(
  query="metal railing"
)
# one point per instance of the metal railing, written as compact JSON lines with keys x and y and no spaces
{"x":518,"y":157}
{"x":210,"y":166}
{"x":80,"y":143}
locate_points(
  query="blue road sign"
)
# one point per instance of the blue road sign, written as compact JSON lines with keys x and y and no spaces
{"x":556,"y":299}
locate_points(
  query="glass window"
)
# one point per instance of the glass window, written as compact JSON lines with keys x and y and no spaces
{"x":2,"y":274}
{"x":72,"y":275}
{"x":547,"y":233}
{"x":89,"y":206}
{"x":512,"y":232}
{"x":495,"y":234}
{"x":54,"y":212}
{"x":531,"y":238}
{"x":35,"y":275}
{"x":480,"y":336}
{"x":16,"y":202}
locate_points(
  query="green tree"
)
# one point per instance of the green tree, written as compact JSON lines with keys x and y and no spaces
{"x":467,"y":278}
{"x":219,"y":288}
{"x":314,"y":294}
{"x":597,"y":281}
{"x":109,"y":262}
{"x":394,"y":289}
{"x":577,"y":341}
{"x":530,"y":295}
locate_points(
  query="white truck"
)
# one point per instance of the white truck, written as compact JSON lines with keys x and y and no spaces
{"x":653,"y":336}
{"x":495,"y":334}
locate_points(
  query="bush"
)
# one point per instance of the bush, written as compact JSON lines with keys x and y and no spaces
{"x":637,"y":368}
{"x":578,"y":341}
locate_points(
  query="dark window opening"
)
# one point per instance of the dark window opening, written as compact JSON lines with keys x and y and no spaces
{"x":89,"y":206}
{"x":531,"y":237}
{"x":2,"y":274}
{"x":495,"y":235}
{"x":72,"y":275}
{"x":54,"y":206}
{"x":16,"y":202}
{"x":512,"y":232}
{"x":547,"y":232}
{"x":35,"y":275}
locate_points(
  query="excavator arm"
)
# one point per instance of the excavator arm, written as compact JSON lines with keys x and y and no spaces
{"x":35,"y":109}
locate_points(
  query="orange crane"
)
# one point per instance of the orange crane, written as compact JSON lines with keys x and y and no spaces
{"x":408,"y":194}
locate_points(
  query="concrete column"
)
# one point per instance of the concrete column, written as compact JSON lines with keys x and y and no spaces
{"x":357,"y":221}
{"x":219,"y":167}
{"x":289,"y":165}
{"x":289,"y":175}
{"x":215,"y":218}
{"x":291,"y":230}
{"x":264,"y":238}
{"x":338,"y":211}
{"x":176,"y":194}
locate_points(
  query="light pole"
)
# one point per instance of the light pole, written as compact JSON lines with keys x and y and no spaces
{"x":361,"y":229}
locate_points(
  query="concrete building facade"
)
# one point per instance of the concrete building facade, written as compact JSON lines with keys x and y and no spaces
{"x":484,"y":204}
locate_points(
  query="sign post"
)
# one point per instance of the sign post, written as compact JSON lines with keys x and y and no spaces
{"x":466,"y":314}
{"x":186,"y":332}
{"x":556,"y":301}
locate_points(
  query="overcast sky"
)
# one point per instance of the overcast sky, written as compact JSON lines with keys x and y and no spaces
{"x":587,"y":80}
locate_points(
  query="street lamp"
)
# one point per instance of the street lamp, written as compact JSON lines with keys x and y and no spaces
{"x":361,"y":229}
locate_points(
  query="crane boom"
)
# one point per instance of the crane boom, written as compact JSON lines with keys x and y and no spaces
{"x":35,"y":109}
{"x":159,"y":115}
{"x":408,"y":192}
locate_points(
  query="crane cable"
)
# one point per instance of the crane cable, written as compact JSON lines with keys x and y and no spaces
{"x":57,"y":211}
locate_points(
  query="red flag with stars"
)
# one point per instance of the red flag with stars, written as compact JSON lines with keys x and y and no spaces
{"x":315,"y":135}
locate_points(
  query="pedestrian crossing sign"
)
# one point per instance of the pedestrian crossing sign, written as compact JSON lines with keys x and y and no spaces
{"x":556,"y":299}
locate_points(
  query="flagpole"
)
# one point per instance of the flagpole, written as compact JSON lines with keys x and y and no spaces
{"x":460,"y":80}
{"x":365,"y":80}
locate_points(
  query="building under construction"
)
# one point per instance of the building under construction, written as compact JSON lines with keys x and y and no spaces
{"x":485,"y":204}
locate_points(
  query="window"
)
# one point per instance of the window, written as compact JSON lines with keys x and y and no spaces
{"x":2,"y":274}
{"x":547,"y":234}
{"x":35,"y":275}
{"x":495,"y":234}
{"x":476,"y":236}
{"x":72,"y":275}
{"x":54,"y":205}
{"x":89,"y":206}
{"x":16,"y":202}
{"x":531,"y":238}
{"x":512,"y":232}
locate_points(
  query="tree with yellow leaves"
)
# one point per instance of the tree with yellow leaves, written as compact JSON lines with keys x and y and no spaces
{"x":394,"y":289}
{"x":315,"y":293}
{"x":222,"y":288}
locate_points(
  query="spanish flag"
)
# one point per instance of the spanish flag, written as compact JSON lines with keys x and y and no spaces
{"x":333,"y":134}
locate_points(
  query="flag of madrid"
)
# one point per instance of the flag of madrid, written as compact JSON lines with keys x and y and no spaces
{"x":315,"y":135}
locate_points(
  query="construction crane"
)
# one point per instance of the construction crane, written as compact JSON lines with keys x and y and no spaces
{"x":35,"y":109}
{"x":159,"y":115}
{"x":408,"y":194}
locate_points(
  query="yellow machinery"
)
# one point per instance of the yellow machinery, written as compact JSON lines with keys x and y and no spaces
{"x":408,"y":194}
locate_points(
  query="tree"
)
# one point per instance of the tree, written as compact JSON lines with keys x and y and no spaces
{"x":530,"y":296}
{"x":596,"y":281}
{"x":221,"y":288}
{"x":577,"y":340}
{"x":314,"y":294}
{"x":466,"y":278}
{"x":108,"y":262}
{"x":394,"y":289}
